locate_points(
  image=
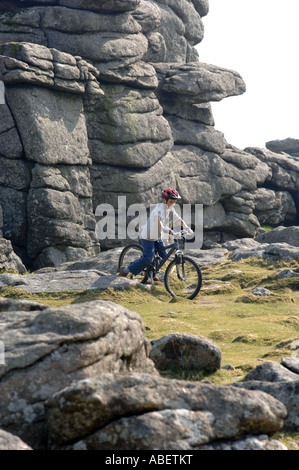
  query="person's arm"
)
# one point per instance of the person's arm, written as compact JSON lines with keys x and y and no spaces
{"x":180,"y":221}
{"x":161,"y":226}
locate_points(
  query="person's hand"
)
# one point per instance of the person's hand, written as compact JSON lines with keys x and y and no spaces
{"x":189,"y":230}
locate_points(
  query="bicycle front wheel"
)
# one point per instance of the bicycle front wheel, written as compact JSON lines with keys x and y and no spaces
{"x":183,"y":278}
{"x":129,"y":254}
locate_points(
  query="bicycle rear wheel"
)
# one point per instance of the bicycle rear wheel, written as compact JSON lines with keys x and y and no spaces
{"x":183,"y":278}
{"x":129,"y":254}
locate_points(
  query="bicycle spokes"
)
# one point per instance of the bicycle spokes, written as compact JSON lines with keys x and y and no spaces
{"x":130,"y":254}
{"x":183,"y":279}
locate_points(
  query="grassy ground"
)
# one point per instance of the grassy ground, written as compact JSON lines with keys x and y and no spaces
{"x":247,"y":328}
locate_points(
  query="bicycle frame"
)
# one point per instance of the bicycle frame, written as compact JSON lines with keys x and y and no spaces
{"x":173,"y":247}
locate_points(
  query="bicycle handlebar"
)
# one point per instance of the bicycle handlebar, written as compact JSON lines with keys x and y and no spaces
{"x":182,"y":233}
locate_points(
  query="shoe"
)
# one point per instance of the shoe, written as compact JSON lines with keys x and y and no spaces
{"x":156,"y":279}
{"x":122,"y":272}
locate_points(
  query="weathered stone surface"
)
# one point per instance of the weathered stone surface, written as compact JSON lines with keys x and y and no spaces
{"x":39,"y":65}
{"x":14,"y":208}
{"x":10,"y":442}
{"x":63,"y":281}
{"x":48,"y":348}
{"x":142,"y":411}
{"x":1,"y":222}
{"x":53,"y":131}
{"x":202,"y":6}
{"x":286,"y":391}
{"x":200,"y":113}
{"x":60,"y":211}
{"x":287,"y":273}
{"x":126,"y":128}
{"x":205,"y":177}
{"x":102,"y":5}
{"x":187,"y":132}
{"x":272,"y":372}
{"x":272,"y":252}
{"x":9,"y":261}
{"x":291,"y":363}
{"x":63,"y":178}
{"x":198,"y":82}
{"x":181,"y":28}
{"x":249,"y":443}
{"x":284,"y":168}
{"x":289,"y":145}
{"x":74,"y":20}
{"x":10,"y":143}
{"x":51,"y":125}
{"x":274,"y":207}
{"x":108,"y":181}
{"x":15,"y":174}
{"x":105,"y":262}
{"x":147,"y":122}
{"x":186,"y":351}
{"x":148,"y":15}
{"x":106,"y":47}
{"x":289,"y":235}
{"x":281,"y":381}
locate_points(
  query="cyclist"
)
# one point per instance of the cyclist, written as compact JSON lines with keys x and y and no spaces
{"x":151,"y":234}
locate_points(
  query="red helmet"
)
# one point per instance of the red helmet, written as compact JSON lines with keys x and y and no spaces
{"x":170,"y":194}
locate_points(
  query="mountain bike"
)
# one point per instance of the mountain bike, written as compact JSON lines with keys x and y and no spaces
{"x":182,"y":276}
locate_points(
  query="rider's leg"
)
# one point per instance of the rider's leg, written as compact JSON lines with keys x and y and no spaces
{"x":148,"y":254}
{"x":160,"y":247}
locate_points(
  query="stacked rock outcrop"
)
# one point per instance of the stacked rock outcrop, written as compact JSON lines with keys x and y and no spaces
{"x":46,"y":183}
{"x":109,"y":98}
{"x":82,"y":379}
{"x":289,"y":146}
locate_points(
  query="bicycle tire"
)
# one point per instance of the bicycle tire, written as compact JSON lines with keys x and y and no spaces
{"x":130,"y":253}
{"x":179,"y":288}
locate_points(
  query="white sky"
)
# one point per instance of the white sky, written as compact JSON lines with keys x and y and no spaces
{"x":260,"y":40}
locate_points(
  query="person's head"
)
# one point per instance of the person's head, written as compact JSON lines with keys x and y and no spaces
{"x":170,"y":196}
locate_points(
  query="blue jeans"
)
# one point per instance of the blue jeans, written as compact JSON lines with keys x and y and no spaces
{"x":148,"y":255}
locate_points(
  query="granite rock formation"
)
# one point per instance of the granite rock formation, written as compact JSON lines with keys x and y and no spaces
{"x":289,"y":146}
{"x":109,"y":98}
{"x":144,"y":412}
{"x":47,"y":348}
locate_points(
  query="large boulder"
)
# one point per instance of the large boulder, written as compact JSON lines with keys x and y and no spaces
{"x":185,"y":351}
{"x":274,"y":207}
{"x":196,"y":82}
{"x":284,"y":169}
{"x":145,"y":412}
{"x":126,"y":128}
{"x":289,"y":235}
{"x":9,"y":441}
{"x":9,"y":260}
{"x":48,"y":348}
{"x":289,"y":145}
{"x":52,"y":203}
{"x":270,"y":251}
{"x":272,"y":372}
{"x":281,"y":381}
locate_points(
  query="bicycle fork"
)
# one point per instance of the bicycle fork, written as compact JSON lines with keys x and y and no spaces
{"x":180,"y":261}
